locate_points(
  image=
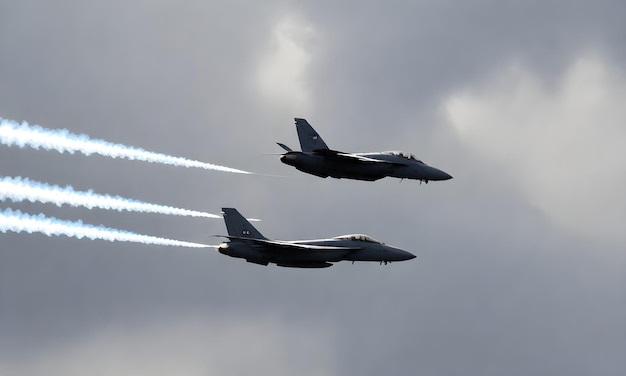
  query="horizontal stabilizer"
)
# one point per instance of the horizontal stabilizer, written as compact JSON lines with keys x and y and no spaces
{"x":287,"y":148}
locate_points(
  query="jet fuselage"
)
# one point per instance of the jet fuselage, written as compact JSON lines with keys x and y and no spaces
{"x":392,"y":164}
{"x":246,"y":242}
{"x":318,"y":159}
{"x":354,"y":250}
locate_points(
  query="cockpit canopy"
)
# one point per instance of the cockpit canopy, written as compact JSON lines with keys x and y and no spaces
{"x":358,"y":238}
{"x":404,"y":154}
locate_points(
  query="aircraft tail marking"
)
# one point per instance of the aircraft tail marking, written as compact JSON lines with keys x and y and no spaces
{"x":238,"y":226}
{"x":310,"y":140}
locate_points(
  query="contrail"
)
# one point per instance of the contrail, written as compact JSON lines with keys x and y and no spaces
{"x":21,"y":189}
{"x":16,"y":221}
{"x":62,"y":140}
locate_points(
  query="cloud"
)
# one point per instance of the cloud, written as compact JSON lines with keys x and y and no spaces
{"x":282,"y":72}
{"x":189,"y":346}
{"x":561,"y":141}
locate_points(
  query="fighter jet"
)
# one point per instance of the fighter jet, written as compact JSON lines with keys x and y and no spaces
{"x":246,"y":242}
{"x":317,"y":159}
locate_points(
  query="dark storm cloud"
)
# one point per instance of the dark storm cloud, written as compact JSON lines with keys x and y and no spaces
{"x":496,"y":287}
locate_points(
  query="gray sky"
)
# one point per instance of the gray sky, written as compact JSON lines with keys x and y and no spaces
{"x":521,"y":266}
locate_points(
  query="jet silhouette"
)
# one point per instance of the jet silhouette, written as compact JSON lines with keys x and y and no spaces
{"x":246,"y":242}
{"x":317,"y":159}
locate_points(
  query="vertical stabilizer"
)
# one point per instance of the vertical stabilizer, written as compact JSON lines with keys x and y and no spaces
{"x":309,"y":139}
{"x":237,"y":225}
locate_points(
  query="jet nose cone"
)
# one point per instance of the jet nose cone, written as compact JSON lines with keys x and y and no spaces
{"x":438,"y":174}
{"x":402,"y":255}
{"x":409,"y":256}
{"x":445,"y":175}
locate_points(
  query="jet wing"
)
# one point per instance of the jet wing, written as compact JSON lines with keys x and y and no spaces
{"x":291,"y":246}
{"x":347,"y":157}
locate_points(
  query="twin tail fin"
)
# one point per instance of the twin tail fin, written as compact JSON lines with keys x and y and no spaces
{"x":238,"y":226}
{"x":310,"y":140}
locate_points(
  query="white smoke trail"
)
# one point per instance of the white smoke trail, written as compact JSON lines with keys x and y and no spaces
{"x":62,"y":140}
{"x":20,"y":189}
{"x":16,"y":221}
